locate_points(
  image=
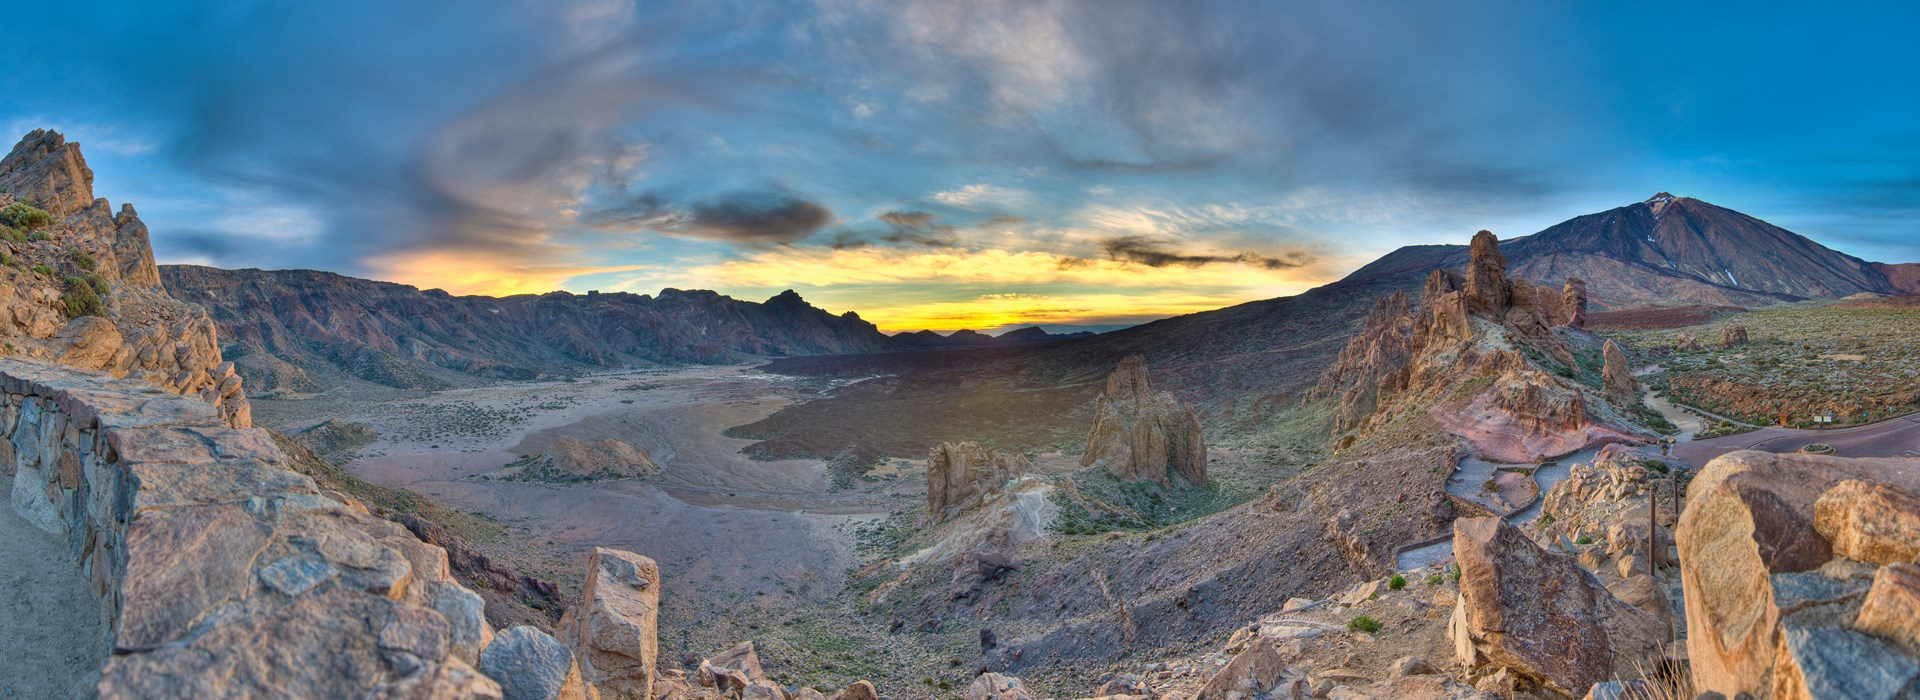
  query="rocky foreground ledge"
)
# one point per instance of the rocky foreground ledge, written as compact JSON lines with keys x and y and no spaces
{"x":222,"y":573}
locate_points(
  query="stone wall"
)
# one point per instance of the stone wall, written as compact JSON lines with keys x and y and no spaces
{"x":222,"y":573}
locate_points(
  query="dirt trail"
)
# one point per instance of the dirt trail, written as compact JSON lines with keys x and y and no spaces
{"x":51,"y":640}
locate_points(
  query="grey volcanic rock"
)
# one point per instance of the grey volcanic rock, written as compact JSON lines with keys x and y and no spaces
{"x":392,"y":334}
{"x":1141,"y":434}
{"x":530,"y":665}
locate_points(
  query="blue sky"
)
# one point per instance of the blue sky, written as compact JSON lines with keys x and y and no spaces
{"x":956,"y":164}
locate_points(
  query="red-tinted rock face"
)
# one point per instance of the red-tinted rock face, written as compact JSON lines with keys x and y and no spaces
{"x":1141,"y":434}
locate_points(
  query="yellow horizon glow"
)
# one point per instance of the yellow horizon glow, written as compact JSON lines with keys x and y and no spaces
{"x":470,"y":272}
{"x":1014,"y":310}
{"x":1040,"y":288}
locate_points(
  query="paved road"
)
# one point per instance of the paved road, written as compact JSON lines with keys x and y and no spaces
{"x":1899,"y":437}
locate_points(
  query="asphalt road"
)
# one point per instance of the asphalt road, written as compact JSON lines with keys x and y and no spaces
{"x":1899,"y":437}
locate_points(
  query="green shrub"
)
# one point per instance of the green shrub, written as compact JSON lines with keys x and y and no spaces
{"x":1436,"y":580}
{"x":81,"y":259}
{"x":12,"y":234}
{"x":42,"y":269}
{"x":40,"y":236}
{"x":1396,"y":582}
{"x":1363,"y":623}
{"x":1583,"y":540}
{"x":1453,"y":572}
{"x":82,"y":299}
{"x":26,"y":216}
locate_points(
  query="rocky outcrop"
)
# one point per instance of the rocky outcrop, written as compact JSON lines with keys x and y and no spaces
{"x":1488,"y":289}
{"x":222,"y":573}
{"x":570,"y":459}
{"x":614,"y":630}
{"x":961,"y":475}
{"x":1144,"y":435}
{"x":1794,"y":568}
{"x":83,"y":289}
{"x":1575,"y":297}
{"x":1463,"y":354}
{"x":1685,"y":342}
{"x":1616,"y":377}
{"x":1733,"y":337}
{"x":1538,"y":616}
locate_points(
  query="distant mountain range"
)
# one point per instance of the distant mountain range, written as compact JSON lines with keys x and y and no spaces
{"x":301,"y":330}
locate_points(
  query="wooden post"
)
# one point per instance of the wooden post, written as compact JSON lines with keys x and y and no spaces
{"x":1653,"y":529}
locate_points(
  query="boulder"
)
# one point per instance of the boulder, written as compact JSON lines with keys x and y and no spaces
{"x":860,"y":690}
{"x":1892,"y":607}
{"x":1139,"y":434}
{"x":961,"y":475}
{"x":993,"y":686}
{"x":1257,"y":672}
{"x":1541,"y":617}
{"x":1616,"y":377}
{"x":529,"y":665}
{"x":1755,"y":562}
{"x":1813,"y":663}
{"x":1877,"y":523}
{"x":87,"y":342}
{"x":1733,"y":336}
{"x":613,"y":632}
{"x":733,"y":671}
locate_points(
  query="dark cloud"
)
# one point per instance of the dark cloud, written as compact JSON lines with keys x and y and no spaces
{"x":918,"y":228}
{"x":1154,"y":253}
{"x":752,"y":217}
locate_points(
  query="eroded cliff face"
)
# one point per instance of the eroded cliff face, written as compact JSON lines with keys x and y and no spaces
{"x":1470,"y":356}
{"x":960,"y":475}
{"x":1144,"y":435}
{"x":79,"y":286}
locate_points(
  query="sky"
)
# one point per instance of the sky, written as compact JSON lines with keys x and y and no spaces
{"x":943,"y":164}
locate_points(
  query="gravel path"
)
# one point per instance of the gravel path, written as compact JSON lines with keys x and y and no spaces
{"x":51,"y":640}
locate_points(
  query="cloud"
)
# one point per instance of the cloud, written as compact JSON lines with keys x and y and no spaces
{"x":918,"y":228}
{"x":751,"y":217}
{"x":1154,"y":253}
{"x":985,"y":196}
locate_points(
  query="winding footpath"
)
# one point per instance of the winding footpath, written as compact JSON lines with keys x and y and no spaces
{"x":50,"y":628}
